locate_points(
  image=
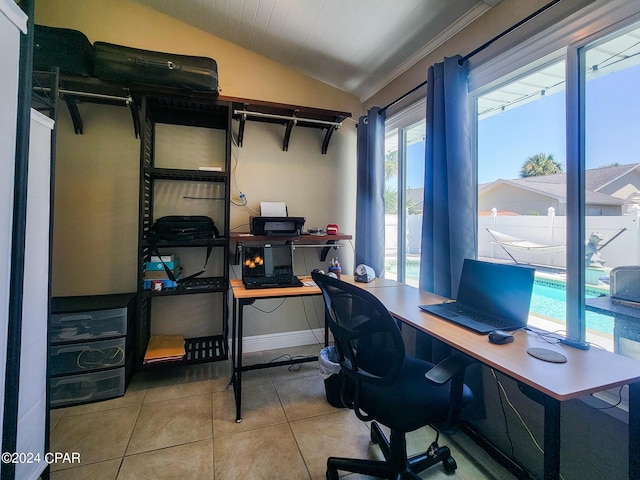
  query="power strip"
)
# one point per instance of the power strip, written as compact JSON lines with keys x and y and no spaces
{"x":580,"y":345}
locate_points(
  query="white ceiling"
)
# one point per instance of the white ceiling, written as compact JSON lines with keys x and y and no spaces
{"x":355,"y":45}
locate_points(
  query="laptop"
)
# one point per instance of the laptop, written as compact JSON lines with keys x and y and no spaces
{"x":491,"y":296}
{"x":268,"y":266}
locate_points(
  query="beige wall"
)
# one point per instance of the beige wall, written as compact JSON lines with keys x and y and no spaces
{"x":242,"y":73}
{"x":96,"y":210}
{"x":495,"y":21}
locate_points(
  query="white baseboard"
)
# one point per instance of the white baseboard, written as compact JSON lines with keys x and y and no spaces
{"x":272,"y":341}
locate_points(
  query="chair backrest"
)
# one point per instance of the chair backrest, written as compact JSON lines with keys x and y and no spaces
{"x":367,"y":339}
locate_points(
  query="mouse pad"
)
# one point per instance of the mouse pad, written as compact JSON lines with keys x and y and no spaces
{"x":547,"y":355}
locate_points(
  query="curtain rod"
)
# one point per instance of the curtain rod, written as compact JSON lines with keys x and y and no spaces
{"x":479,"y":49}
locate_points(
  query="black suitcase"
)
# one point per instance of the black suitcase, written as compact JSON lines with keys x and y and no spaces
{"x":117,"y":63}
{"x":69,"y":50}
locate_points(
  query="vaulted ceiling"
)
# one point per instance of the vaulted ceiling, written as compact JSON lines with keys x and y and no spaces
{"x":355,"y":45}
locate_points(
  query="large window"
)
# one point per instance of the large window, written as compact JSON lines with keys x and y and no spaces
{"x":522,"y":182}
{"x":559,"y":181}
{"x":404,"y":180}
{"x":609,"y":69}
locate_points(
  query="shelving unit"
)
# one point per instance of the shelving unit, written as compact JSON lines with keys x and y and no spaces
{"x":150,"y":108}
{"x":189,"y":112}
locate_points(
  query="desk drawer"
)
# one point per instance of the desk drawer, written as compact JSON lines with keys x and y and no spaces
{"x":81,"y":357}
{"x":78,"y":326}
{"x":86,"y":387}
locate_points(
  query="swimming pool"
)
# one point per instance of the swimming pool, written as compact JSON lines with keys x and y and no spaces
{"x":548,"y":301}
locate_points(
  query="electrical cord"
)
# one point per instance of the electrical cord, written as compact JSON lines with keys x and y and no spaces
{"x":270,"y":311}
{"x":311,"y":329}
{"x":234,"y":169}
{"x":100,"y":358}
{"x":515,"y":410}
{"x":613,"y":405}
{"x":504,"y":414}
{"x":286,"y":356}
{"x":557,"y":335}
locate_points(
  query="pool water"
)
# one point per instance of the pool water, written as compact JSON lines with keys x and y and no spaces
{"x":550,"y":302}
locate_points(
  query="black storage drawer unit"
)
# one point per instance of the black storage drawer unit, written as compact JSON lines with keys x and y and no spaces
{"x":91,"y":352}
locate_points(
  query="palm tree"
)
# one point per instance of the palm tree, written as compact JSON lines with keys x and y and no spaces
{"x":391,"y":164}
{"x":390,"y":194}
{"x":540,"y":164}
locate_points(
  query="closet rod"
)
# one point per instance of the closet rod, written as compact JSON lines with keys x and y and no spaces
{"x":477,"y":50}
{"x":283,"y":117}
{"x":322,"y":245}
{"x":101,"y":96}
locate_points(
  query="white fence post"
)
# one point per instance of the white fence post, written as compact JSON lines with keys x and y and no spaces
{"x":551,"y":215}
{"x":634,"y":213}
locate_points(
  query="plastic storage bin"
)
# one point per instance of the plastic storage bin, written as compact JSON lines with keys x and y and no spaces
{"x":88,"y":387}
{"x":83,"y":357}
{"x":90,"y":325}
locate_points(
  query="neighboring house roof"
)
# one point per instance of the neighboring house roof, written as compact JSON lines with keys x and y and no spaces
{"x":597,"y":178}
{"x":554,"y":185}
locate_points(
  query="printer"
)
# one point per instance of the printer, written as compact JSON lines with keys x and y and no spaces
{"x":277,"y":226}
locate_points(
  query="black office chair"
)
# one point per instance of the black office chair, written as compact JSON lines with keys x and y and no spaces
{"x":382,"y":383}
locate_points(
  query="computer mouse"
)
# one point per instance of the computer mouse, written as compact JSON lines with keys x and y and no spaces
{"x":500,"y":337}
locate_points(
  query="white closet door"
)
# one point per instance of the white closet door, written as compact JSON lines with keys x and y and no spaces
{"x":12,"y":22}
{"x":35,"y":304}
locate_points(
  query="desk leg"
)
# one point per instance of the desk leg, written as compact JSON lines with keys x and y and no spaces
{"x":234,"y":316}
{"x":551,"y":430}
{"x":551,"y":439}
{"x":238,"y":373}
{"x":634,"y":431}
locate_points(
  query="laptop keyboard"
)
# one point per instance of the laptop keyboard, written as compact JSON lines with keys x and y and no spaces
{"x":275,"y":281}
{"x":478,"y":317}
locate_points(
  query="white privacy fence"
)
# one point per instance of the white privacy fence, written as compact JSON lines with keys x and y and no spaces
{"x":620,"y":244}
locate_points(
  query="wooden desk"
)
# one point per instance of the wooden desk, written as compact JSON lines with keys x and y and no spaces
{"x":241,"y":298}
{"x":549,"y":384}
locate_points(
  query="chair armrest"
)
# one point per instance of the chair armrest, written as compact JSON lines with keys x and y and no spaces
{"x":448,"y":368}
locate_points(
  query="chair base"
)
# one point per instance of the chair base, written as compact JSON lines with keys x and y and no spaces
{"x":397,"y":466}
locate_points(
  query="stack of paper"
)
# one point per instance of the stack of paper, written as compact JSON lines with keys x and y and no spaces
{"x":164,"y":348}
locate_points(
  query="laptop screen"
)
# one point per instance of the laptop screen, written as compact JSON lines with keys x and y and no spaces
{"x":267,"y":261}
{"x":503,"y":291}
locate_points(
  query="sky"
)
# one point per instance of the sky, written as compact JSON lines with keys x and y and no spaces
{"x":505,"y":141}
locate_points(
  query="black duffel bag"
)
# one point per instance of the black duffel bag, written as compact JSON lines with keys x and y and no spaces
{"x":179,"y":227}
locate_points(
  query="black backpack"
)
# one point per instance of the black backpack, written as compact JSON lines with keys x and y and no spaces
{"x":178,"y":228}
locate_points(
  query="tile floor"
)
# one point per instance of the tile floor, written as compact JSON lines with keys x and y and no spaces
{"x":178,"y":423}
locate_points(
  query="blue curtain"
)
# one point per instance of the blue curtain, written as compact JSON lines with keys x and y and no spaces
{"x":449,"y":227}
{"x":370,"y":191}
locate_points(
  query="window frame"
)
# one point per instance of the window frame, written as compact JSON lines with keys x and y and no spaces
{"x":505,"y":63}
{"x":400,"y":122}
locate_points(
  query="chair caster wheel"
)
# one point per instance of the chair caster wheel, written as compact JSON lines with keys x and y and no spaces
{"x":332,"y":475}
{"x":449,"y":464}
